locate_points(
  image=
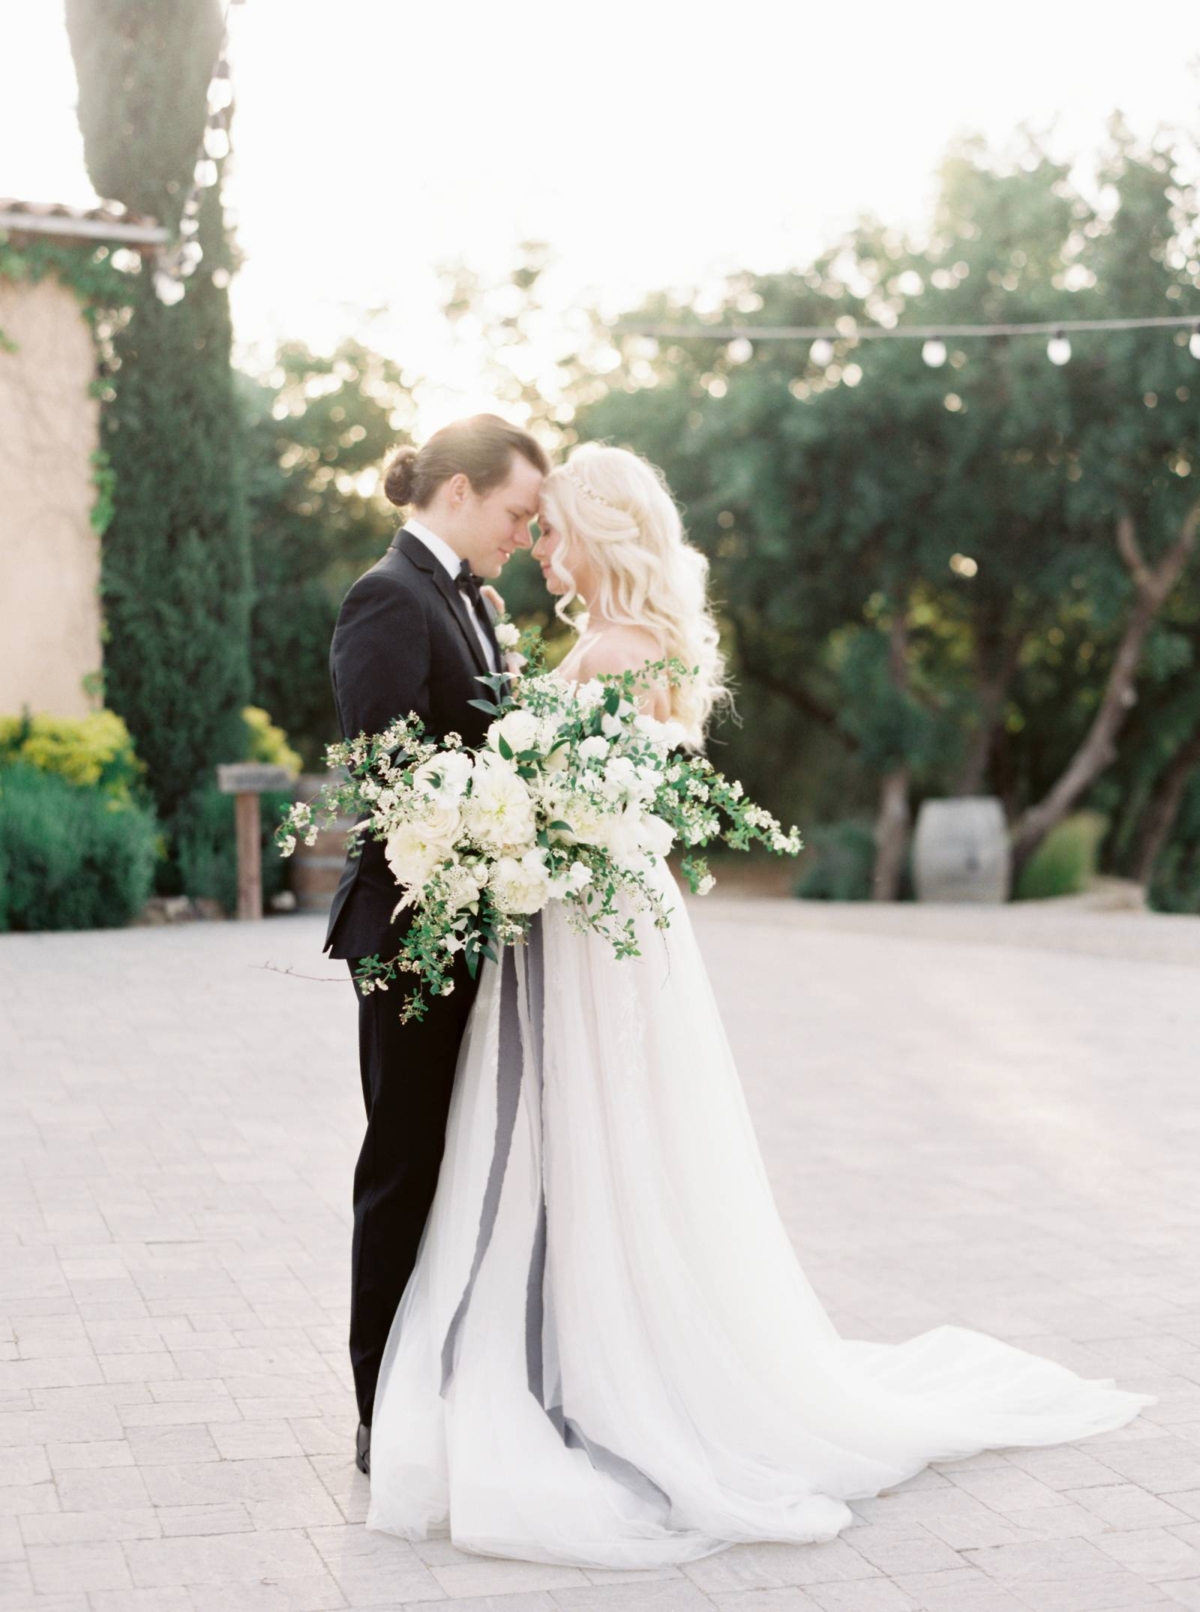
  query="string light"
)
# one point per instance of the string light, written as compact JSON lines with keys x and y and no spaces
{"x":934,"y":353}
{"x":1058,"y":349}
{"x":1194,"y":340}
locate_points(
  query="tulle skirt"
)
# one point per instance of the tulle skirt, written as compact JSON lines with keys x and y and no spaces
{"x":608,"y":1354}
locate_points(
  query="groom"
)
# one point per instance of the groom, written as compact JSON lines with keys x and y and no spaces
{"x":415,"y":634}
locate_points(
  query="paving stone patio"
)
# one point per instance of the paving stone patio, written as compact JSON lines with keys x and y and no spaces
{"x":989,"y":1119}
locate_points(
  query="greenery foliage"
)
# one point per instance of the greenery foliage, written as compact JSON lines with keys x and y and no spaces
{"x":839,"y":862}
{"x":71,"y":857}
{"x":1065,"y":862}
{"x":93,"y":752}
{"x":319,"y":429}
{"x":175,"y":574}
{"x":918,"y":566}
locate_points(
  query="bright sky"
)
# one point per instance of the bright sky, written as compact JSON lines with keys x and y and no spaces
{"x":651,"y":142}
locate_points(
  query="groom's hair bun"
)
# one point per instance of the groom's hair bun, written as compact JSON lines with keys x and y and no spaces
{"x":400,"y":474}
{"x":480,"y":448}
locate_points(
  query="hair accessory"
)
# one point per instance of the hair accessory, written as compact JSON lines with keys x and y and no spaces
{"x":589,"y":492}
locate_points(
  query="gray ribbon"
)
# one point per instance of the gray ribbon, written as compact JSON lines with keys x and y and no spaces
{"x":521,"y":1026}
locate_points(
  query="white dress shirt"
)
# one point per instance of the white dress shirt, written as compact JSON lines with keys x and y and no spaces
{"x":452,"y":563}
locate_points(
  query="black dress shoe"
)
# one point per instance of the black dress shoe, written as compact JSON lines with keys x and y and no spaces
{"x":362,"y":1450}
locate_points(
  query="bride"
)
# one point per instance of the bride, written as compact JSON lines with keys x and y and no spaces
{"x":608,"y":1354}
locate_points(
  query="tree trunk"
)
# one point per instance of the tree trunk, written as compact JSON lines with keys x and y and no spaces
{"x":1158,"y":819}
{"x":1098,"y":748}
{"x":891,"y":834}
{"x":894,"y":820}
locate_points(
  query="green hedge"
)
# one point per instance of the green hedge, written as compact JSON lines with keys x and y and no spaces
{"x":1065,"y":862}
{"x":840,"y":862}
{"x":70,"y":858}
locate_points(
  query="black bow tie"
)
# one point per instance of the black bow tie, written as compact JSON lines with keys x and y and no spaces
{"x":467,"y":584}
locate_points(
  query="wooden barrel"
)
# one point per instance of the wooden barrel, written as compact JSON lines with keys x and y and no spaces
{"x":316,"y":869}
{"x":961,"y":851}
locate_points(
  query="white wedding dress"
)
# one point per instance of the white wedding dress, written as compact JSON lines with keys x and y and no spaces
{"x":608,"y":1354}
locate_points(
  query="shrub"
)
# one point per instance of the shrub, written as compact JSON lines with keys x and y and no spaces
{"x":841,"y":861}
{"x":268,"y":743}
{"x":206,"y":846}
{"x":70,"y":857}
{"x":1065,"y":862}
{"x":94,"y":751}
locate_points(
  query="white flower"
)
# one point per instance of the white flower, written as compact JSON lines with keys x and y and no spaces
{"x":443,"y":777}
{"x":460,"y":886}
{"x":587,"y":821}
{"x":650,"y":726}
{"x":593,"y":749}
{"x":519,"y":729}
{"x":499,"y":810}
{"x":287,"y":845}
{"x":610,"y":726}
{"x":590,"y":694}
{"x":520,"y":885}
{"x":655,"y":836}
{"x":507,"y":636}
{"x":413,"y":850}
{"x":622,"y":773}
{"x":705,"y":885}
{"x":571,"y":882}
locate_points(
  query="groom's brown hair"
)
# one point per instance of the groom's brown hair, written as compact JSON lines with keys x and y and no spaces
{"x":480,"y":447}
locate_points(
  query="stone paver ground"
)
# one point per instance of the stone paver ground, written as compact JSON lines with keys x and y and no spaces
{"x":984,"y":1119}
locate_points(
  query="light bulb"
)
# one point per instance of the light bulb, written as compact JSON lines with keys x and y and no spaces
{"x":1058,"y":349}
{"x":821,"y":352}
{"x":1194,"y":342}
{"x":167,"y":289}
{"x":739,"y":350}
{"x":934,"y":353}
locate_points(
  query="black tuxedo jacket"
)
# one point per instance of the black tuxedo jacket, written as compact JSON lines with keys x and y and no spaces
{"x":403,"y":642}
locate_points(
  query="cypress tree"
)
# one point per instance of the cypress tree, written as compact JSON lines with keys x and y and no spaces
{"x":175,"y":573}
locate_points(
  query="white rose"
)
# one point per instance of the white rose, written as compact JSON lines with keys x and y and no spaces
{"x":593,"y":749}
{"x":590,"y":694}
{"x":520,"y":884}
{"x":519,"y":730}
{"x":650,"y":726}
{"x":499,"y":809}
{"x":445,"y":776}
{"x":611,"y":725}
{"x":507,"y":636}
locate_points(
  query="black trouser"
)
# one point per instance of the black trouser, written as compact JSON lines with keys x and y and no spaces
{"x":407,"y":1077}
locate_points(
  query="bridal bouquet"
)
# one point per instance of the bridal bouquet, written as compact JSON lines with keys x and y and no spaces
{"x":570,"y":798}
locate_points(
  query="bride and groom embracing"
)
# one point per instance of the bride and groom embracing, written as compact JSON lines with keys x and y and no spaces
{"x":579,"y":1332}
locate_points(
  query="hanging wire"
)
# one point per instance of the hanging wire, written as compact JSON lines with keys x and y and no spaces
{"x":1055,"y":328}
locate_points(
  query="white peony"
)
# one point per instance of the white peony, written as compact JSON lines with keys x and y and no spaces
{"x":444,"y":777}
{"x":507,"y":635}
{"x":593,"y":749}
{"x":519,"y":729}
{"x":590,"y":694}
{"x":499,"y":810}
{"x":413,"y":850}
{"x":520,"y":884}
{"x":587,"y":821}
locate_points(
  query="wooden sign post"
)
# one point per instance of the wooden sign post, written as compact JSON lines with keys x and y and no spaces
{"x":246,"y":781}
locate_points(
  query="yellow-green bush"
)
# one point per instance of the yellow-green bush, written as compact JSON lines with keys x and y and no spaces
{"x":1065,"y":862}
{"x":94,"y":751}
{"x":268,"y":743}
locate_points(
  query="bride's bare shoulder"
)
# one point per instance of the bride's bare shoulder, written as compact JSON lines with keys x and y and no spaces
{"x":617,"y":649}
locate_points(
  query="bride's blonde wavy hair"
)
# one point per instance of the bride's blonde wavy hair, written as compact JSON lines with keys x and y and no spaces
{"x":615,"y":508}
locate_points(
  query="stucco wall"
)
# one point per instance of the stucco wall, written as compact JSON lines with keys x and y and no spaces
{"x":49,"y":555}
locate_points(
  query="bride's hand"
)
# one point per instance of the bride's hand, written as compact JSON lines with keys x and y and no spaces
{"x":493,"y":598}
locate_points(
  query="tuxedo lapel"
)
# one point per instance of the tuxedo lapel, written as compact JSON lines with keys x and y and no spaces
{"x":413,"y":549}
